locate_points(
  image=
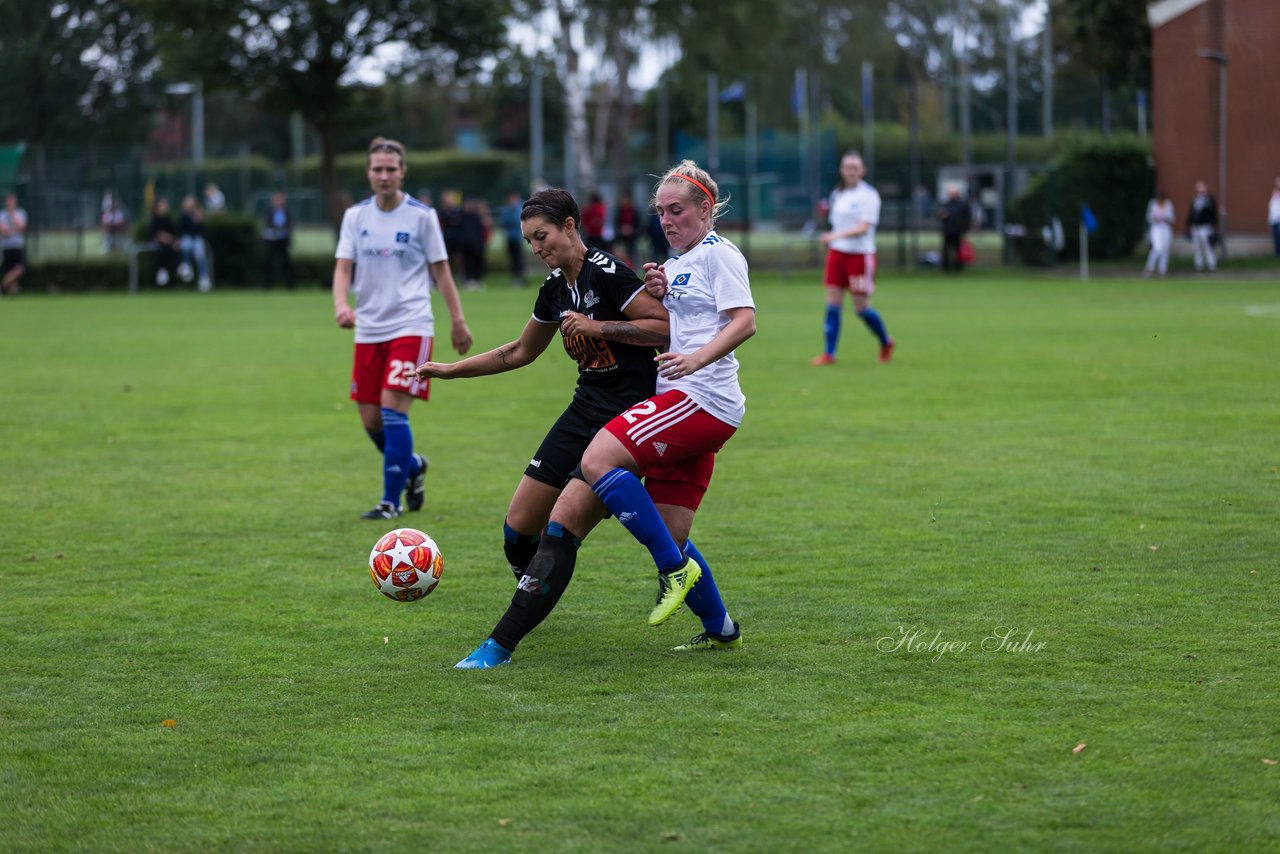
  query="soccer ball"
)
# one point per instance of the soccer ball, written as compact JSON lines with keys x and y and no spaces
{"x":405,"y":565}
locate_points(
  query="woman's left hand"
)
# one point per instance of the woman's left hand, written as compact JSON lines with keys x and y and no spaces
{"x":673,"y":366}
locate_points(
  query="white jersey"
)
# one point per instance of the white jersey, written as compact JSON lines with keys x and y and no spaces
{"x":1160,"y":214}
{"x":391,"y":250}
{"x":703,"y":284}
{"x":850,"y":208}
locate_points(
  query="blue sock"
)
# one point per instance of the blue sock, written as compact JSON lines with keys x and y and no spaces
{"x":379,"y":438}
{"x":875,"y":324}
{"x":704,"y":597}
{"x":832,"y":328}
{"x":397,"y":454}
{"x":625,"y":496}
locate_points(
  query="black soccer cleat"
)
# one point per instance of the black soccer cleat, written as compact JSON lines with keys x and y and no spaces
{"x":415,"y":491}
{"x":384,"y":510}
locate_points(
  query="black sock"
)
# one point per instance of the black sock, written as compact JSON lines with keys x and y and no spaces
{"x":540,"y":589}
{"x":519,"y":548}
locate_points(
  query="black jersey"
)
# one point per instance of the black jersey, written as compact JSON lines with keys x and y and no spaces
{"x":611,"y":376}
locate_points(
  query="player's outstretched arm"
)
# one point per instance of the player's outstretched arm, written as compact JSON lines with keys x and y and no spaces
{"x":460,"y":335}
{"x":533,"y":341}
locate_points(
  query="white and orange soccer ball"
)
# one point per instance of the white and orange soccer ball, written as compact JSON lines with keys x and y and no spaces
{"x":405,"y":564}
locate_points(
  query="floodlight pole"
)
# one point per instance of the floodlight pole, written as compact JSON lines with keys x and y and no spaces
{"x":1220,"y":59}
{"x":536,"y":151}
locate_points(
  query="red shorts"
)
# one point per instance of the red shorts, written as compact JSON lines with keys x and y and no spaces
{"x":390,"y":365}
{"x":855,"y":272}
{"x":674,"y":443}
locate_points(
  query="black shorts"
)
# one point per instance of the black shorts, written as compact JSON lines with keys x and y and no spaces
{"x":12,"y":258}
{"x":560,"y":453}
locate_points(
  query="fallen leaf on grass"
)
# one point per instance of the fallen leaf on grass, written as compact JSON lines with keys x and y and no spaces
{"x":503,"y":822}
{"x":386,"y":640}
{"x":1154,"y":548}
{"x":1253,"y":572}
{"x":169,"y":722}
{"x":1078,"y":749}
{"x":1269,"y":762}
{"x":671,"y":836}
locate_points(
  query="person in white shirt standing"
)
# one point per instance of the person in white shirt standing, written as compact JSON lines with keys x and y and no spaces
{"x":1273,"y":217}
{"x":390,"y":250}
{"x":1160,"y":219}
{"x":854,"y":211}
{"x":13,"y":237}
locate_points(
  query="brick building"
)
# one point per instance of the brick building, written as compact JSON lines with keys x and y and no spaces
{"x":1185,"y":102}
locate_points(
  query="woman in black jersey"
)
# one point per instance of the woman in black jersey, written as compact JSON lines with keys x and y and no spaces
{"x":609,"y":325}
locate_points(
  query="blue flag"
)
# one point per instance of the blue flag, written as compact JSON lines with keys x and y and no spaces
{"x":1090,"y":221}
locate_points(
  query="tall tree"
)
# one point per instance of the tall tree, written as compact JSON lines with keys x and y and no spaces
{"x":77,"y":70}
{"x":305,"y":55}
{"x":1113,"y":37}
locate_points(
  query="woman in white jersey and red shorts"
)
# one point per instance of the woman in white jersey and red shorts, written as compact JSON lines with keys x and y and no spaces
{"x":390,"y":249}
{"x":672,"y":438}
{"x":854,"y":211}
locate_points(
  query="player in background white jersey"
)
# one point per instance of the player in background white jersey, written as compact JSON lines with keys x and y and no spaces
{"x":854,"y":211}
{"x":390,"y":249}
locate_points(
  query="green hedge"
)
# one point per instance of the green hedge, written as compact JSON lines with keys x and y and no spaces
{"x":233,"y":175}
{"x":111,"y":274}
{"x":1113,"y":177}
{"x":487,"y":174}
{"x":83,"y":275}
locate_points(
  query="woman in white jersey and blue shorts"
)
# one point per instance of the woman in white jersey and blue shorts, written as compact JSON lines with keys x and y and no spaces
{"x":390,"y":250}
{"x":854,"y":211}
{"x":672,"y":438}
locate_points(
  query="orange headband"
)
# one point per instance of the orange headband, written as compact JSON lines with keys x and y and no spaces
{"x":697,"y":184}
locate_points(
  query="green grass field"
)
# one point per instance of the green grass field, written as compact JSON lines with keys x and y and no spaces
{"x":1087,"y":471}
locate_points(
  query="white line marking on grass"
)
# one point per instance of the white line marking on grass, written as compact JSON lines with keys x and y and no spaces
{"x":1272,"y":310}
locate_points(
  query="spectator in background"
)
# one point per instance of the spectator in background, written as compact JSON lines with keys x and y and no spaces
{"x":509,"y":221}
{"x":164,"y":234}
{"x":594,"y":217}
{"x":277,"y":233}
{"x":1160,"y":219}
{"x":626,"y":228}
{"x":924,"y":203}
{"x":214,"y":201}
{"x":114,"y":223}
{"x":450,"y":215}
{"x":191,"y":241}
{"x":1202,"y":228}
{"x":13,"y":240}
{"x":955,"y":218}
{"x":1273,"y":217}
{"x":472,"y":235}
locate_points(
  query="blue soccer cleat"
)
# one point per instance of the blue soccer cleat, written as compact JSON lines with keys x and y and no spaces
{"x":488,"y":654}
